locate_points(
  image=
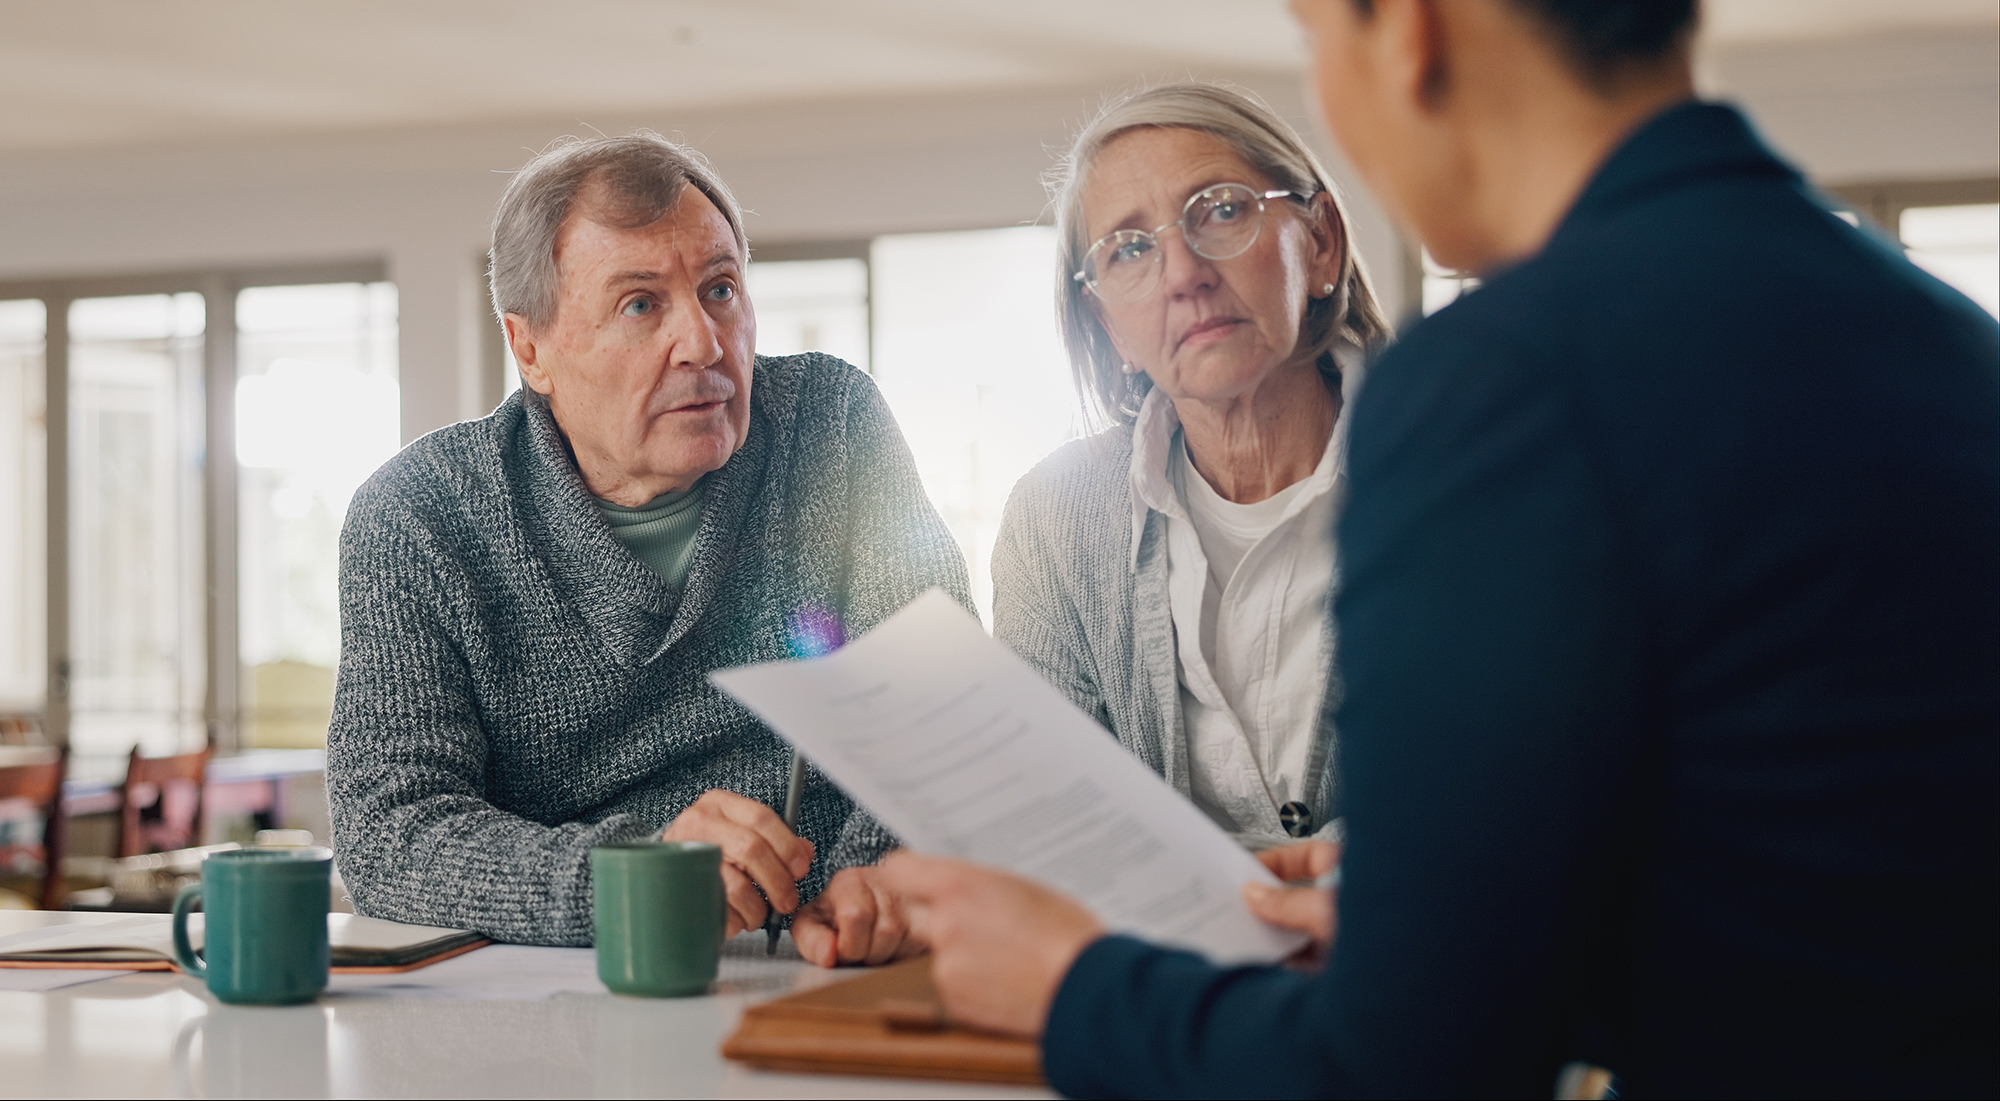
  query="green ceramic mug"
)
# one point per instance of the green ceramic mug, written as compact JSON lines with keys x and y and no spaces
{"x":660,"y":914}
{"x":264,"y":941}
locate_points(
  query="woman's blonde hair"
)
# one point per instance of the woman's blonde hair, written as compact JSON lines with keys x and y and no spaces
{"x":1267,"y":144}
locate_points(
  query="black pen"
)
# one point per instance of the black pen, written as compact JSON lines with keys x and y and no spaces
{"x":794,"y":784}
{"x":811,"y":632}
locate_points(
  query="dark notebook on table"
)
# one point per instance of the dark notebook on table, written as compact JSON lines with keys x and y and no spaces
{"x":145,"y":942}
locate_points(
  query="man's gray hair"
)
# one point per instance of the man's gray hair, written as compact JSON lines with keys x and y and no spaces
{"x":1267,"y":144}
{"x":633,"y":181}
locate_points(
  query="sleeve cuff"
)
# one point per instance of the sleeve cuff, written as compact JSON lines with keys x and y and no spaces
{"x":1132,"y":1019}
{"x":1080,"y":1043}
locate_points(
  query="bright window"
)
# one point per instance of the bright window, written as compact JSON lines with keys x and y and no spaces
{"x":967,"y":354}
{"x":137,"y":673}
{"x":23,"y":487}
{"x":317,"y":411}
{"x":1958,"y":244}
{"x":811,"y":306}
{"x":1442,"y":285}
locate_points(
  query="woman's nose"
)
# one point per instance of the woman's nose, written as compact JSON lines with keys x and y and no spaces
{"x":1184,"y":271}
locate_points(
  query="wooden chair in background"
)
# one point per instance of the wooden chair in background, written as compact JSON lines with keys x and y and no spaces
{"x":21,"y":728}
{"x":36,"y":788}
{"x":161,"y":802}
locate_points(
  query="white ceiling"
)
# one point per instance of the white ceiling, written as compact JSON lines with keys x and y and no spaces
{"x":94,"y":73}
{"x":1727,"y":22}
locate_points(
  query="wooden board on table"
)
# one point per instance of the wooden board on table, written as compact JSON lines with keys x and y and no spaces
{"x":887,"y":1022}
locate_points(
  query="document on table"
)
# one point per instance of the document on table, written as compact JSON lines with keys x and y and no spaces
{"x":963,"y":750}
{"x":39,"y":981}
{"x":496,"y":973}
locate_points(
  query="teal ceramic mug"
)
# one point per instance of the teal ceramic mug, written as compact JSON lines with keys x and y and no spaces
{"x":264,"y":941}
{"x":659,"y":912}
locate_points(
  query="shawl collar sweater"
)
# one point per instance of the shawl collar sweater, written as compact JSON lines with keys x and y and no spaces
{"x":516,"y":686}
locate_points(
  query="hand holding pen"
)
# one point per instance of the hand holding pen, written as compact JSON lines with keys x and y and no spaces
{"x":794,"y":784}
{"x":761,"y":858}
{"x":811,"y":633}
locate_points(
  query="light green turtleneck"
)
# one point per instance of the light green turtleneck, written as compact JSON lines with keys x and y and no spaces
{"x":660,"y":532}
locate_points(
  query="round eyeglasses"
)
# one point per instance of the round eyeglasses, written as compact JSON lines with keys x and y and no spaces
{"x":1217,"y":222}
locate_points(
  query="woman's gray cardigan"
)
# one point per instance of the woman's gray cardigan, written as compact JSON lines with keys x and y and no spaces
{"x":516,"y":687}
{"x":1072,"y":599}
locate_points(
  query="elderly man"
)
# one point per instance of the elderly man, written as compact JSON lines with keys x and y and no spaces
{"x":531,"y":602}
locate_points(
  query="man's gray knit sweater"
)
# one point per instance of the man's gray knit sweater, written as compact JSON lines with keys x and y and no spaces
{"x":516,"y":687}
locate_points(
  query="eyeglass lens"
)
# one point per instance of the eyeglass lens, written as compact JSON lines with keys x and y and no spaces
{"x":1218,"y":223}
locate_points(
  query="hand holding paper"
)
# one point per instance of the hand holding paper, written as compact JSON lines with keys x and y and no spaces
{"x":959,"y":747}
{"x":1000,"y":944}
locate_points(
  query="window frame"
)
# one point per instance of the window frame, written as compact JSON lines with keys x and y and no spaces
{"x":222,"y":688}
{"x":1882,"y":203}
{"x":856,"y":248}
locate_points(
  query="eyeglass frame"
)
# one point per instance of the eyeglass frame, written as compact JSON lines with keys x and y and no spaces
{"x":1083,"y":276}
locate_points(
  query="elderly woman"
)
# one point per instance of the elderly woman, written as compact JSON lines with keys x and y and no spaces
{"x":1172,"y":574}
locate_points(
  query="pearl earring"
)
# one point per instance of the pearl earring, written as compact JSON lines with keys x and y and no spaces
{"x":1129,"y":369}
{"x":1326,"y":289}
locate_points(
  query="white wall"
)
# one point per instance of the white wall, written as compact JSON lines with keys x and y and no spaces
{"x":1904,"y":106}
{"x":1877,"y":109}
{"x":421,"y":200}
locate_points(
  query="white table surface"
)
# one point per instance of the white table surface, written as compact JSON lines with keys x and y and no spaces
{"x":522,"y":1022}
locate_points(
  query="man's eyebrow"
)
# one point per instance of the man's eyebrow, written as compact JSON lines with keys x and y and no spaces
{"x":719,"y":259}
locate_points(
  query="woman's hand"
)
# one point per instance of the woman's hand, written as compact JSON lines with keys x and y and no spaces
{"x":855,"y":920}
{"x":1001,"y":944}
{"x":1299,"y":906}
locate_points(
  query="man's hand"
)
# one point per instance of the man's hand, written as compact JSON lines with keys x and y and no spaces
{"x":1001,"y":944}
{"x":757,"y":851}
{"x":855,"y":920}
{"x":1306,"y":909}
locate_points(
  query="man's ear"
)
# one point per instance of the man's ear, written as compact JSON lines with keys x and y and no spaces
{"x":1436,"y":59}
{"x":1412,"y":39}
{"x":521,"y":341}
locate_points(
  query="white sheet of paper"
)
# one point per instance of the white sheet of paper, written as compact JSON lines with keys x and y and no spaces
{"x":963,"y":750}
{"x":495,"y":973}
{"x":35,"y":980}
{"x":523,"y":973}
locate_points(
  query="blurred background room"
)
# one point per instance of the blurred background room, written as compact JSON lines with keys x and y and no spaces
{"x":241,"y":250}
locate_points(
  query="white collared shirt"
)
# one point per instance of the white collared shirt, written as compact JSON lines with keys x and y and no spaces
{"x":1248,"y":589}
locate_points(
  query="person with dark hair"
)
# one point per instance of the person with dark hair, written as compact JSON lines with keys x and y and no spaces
{"x":1669,"y":632}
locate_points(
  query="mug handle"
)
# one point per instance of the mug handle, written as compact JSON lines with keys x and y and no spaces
{"x":183,"y":950}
